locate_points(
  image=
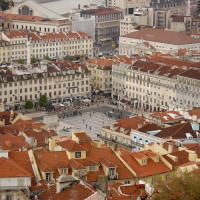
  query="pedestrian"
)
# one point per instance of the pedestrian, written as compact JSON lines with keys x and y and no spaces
{"x":86,"y":126}
{"x":90,"y":127}
{"x":83,"y":120}
{"x":90,"y":114}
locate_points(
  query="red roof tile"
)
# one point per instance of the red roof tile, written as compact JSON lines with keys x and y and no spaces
{"x":70,"y":145}
{"x":162,"y":36}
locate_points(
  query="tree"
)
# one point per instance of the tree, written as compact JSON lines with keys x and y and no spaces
{"x":5,"y":4}
{"x":34,"y":60}
{"x":28,"y":104}
{"x":47,"y":57}
{"x":180,"y":187}
{"x":21,"y":61}
{"x":72,"y":58}
{"x":43,"y":101}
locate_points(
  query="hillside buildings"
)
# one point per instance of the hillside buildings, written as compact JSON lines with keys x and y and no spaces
{"x":158,"y":40}
{"x":53,"y":45}
{"x":107,"y":27}
{"x":57,"y":80}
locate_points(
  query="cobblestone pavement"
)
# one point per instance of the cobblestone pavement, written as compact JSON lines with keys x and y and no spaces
{"x":90,"y":124}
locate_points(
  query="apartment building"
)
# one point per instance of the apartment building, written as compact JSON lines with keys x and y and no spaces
{"x":188,"y":89}
{"x":5,"y":51}
{"x":35,"y":23}
{"x":145,"y":85}
{"x":101,"y":74}
{"x":107,"y":26}
{"x":54,"y":45}
{"x":159,"y":39}
{"x":57,"y":80}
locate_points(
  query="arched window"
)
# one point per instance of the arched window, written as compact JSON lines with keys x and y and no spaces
{"x":25,"y":10}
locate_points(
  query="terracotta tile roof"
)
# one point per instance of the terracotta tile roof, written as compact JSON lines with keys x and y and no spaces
{"x":79,"y":189}
{"x":195,"y":112}
{"x":108,"y":154}
{"x":15,"y":34}
{"x":70,"y":145}
{"x":106,"y":162}
{"x":92,"y":176}
{"x":168,"y":116}
{"x":75,"y":164}
{"x":131,"y":123}
{"x":13,"y":143}
{"x":177,"y":131}
{"x":83,"y":137}
{"x":10,"y":168}
{"x":6,"y":115}
{"x":103,"y":64}
{"x":183,"y":157}
{"x":149,"y":169}
{"x":50,"y":161}
{"x":191,"y":73}
{"x":101,"y":11}
{"x":170,"y":61}
{"x":150,"y":127}
{"x":162,"y":36}
{"x":22,"y":158}
{"x":134,"y":191}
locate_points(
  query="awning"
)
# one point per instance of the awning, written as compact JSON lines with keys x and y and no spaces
{"x":62,"y":105}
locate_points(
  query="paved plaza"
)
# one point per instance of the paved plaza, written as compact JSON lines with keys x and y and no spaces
{"x":90,"y":124}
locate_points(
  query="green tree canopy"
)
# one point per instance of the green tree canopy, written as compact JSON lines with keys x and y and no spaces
{"x":21,"y":61}
{"x":4,"y":4}
{"x":28,"y":104}
{"x":180,"y":187}
{"x":43,"y":101}
{"x":34,"y":60}
{"x":47,"y":57}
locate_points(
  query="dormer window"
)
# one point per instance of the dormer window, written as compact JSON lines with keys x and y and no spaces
{"x":143,"y":161}
{"x":78,"y":154}
{"x":92,"y":168}
{"x":157,"y":159}
{"x":63,"y":171}
{"x":111,"y":172}
{"x":48,"y":177}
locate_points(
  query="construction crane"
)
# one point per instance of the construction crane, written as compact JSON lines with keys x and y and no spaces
{"x":10,"y":14}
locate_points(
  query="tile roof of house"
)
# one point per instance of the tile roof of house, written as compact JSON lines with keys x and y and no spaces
{"x":47,"y":36}
{"x":103,"y":64}
{"x":150,"y":127}
{"x":151,"y":166}
{"x":71,"y":146}
{"x":170,"y":61}
{"x":162,"y":36}
{"x":191,"y":73}
{"x":131,"y":123}
{"x":101,"y":11}
{"x":6,"y":115}
{"x":13,"y":143}
{"x":50,"y":161}
{"x":195,"y":112}
{"x":183,"y":157}
{"x":82,"y":137}
{"x":79,"y":191}
{"x":10,"y":168}
{"x":96,"y":154}
{"x":22,"y":158}
{"x":168,"y":116}
{"x":177,"y":131}
{"x":119,"y":191}
{"x":18,"y":17}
